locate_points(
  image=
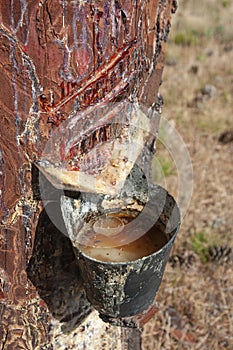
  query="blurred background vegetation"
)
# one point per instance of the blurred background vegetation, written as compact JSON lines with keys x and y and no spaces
{"x":196,"y":296}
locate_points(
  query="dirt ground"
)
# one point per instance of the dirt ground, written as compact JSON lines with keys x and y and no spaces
{"x":196,"y":296}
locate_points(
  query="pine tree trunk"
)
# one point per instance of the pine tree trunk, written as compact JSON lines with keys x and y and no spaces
{"x":49,"y":50}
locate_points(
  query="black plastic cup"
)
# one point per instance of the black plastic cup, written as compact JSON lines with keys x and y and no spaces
{"x":124,"y":289}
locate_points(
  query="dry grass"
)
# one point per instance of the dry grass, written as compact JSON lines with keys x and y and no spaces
{"x":196,"y":296}
{"x":195,"y":310}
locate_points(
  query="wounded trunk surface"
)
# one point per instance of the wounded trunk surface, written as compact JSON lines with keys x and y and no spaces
{"x":57,"y":58}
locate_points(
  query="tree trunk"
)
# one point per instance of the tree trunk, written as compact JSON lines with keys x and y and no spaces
{"x":57,"y":57}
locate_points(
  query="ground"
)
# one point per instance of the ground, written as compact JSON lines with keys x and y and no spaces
{"x":196,"y":296}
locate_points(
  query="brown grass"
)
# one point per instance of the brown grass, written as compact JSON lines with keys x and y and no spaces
{"x":196,"y":296}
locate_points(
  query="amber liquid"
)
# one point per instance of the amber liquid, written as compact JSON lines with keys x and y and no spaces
{"x":105,"y":247}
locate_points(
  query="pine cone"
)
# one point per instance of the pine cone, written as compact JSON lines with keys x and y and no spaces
{"x":220,"y":254}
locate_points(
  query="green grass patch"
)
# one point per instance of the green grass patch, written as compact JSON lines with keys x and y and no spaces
{"x":202,"y":57}
{"x":204,"y":241}
{"x":200,"y":245}
{"x":227,"y":98}
{"x":191,"y":37}
{"x":187,"y":37}
{"x":167,"y":166}
{"x":226,"y":3}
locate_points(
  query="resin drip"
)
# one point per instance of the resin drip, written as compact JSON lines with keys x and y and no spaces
{"x":107,"y":232}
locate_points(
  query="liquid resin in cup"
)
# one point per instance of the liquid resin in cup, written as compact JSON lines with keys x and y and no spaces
{"x":108,"y":230}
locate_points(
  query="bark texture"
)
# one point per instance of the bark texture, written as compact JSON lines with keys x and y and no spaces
{"x":57,"y":57}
